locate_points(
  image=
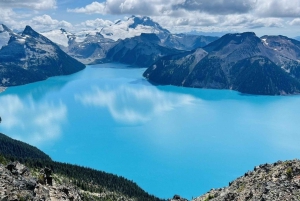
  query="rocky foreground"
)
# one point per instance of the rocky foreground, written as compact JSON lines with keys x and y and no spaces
{"x":19,"y":183}
{"x":278,"y":181}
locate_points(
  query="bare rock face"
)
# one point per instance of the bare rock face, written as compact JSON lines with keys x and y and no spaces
{"x":17,"y":184}
{"x":278,"y":181}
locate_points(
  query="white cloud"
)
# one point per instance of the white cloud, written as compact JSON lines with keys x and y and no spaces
{"x":278,"y":8}
{"x":92,"y":8}
{"x":31,"y":4}
{"x":218,"y":6}
{"x":97,"y":23}
{"x":6,"y":16}
{"x":46,"y":22}
{"x":31,"y":122}
{"x":265,"y":22}
{"x":137,"y":7}
{"x":208,"y":15}
{"x":39,"y":23}
{"x":295,"y":22}
{"x":131,"y":105}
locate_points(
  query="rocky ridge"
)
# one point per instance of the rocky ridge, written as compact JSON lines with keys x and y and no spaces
{"x":100,"y":45}
{"x":30,"y":57}
{"x":241,"y":62}
{"x":141,"y":50}
{"x":17,"y":183}
{"x":277,"y":181}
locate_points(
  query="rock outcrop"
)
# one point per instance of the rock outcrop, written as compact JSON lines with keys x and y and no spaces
{"x":177,"y":198}
{"x":278,"y":181}
{"x":18,"y":184}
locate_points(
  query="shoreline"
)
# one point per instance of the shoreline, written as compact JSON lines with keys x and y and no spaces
{"x":2,"y":89}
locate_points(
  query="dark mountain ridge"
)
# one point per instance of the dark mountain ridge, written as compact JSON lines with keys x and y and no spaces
{"x":242,"y":62}
{"x":141,"y":50}
{"x":31,"y":57}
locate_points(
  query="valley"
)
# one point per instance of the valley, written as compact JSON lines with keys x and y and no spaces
{"x":174,"y":112}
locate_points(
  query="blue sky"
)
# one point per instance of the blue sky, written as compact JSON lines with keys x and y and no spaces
{"x":270,"y":17}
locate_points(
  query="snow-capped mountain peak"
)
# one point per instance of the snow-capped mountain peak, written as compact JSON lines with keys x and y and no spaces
{"x":133,"y":26}
{"x":30,"y":57}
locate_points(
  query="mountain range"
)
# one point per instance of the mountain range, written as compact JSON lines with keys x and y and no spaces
{"x":101,"y":45}
{"x":267,"y":65}
{"x":243,"y":62}
{"x":30,"y":57}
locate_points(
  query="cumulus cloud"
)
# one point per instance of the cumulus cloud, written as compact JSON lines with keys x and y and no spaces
{"x":209,"y":15}
{"x":265,"y":22}
{"x":137,"y":7}
{"x":38,"y":23}
{"x":97,"y":23}
{"x":6,"y":15}
{"x":218,"y":6}
{"x":158,"y":7}
{"x":92,"y":8}
{"x":31,"y":122}
{"x":46,"y":22}
{"x":278,"y":8}
{"x":31,"y":4}
{"x":295,"y":22}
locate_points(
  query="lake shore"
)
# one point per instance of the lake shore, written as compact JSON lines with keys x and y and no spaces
{"x":2,"y":89}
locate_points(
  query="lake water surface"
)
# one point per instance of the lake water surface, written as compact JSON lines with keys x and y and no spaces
{"x":170,"y":140}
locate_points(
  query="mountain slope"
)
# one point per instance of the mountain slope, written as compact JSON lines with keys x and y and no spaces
{"x":278,"y":181}
{"x":31,"y":57}
{"x":141,"y":50}
{"x":187,"y":41}
{"x":85,"y":46}
{"x":242,"y":62}
{"x":15,"y":148}
{"x":91,"y":49}
{"x":96,"y":185}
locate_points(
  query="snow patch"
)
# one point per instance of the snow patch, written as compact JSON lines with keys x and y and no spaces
{"x":1,"y":28}
{"x":58,"y":36}
{"x":21,"y":40}
{"x":265,"y":41}
{"x":5,"y":80}
{"x":286,"y":70}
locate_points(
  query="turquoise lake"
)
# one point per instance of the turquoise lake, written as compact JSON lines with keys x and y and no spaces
{"x":169,"y":140}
